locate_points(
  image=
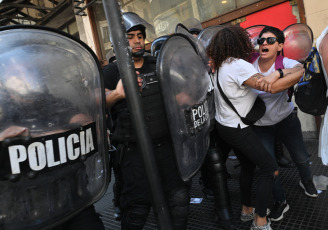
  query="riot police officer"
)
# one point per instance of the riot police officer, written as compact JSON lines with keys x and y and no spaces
{"x":135,"y":195}
{"x":53,"y":160}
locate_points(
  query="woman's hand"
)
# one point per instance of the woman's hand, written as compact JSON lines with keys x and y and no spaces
{"x":265,"y":83}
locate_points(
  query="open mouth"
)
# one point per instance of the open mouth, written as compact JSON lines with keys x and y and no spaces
{"x":265,"y":50}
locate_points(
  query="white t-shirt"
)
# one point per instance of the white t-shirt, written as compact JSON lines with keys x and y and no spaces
{"x":277,"y":107}
{"x":231,"y":78}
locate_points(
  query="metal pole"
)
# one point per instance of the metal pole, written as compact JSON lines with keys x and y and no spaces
{"x":133,"y":98}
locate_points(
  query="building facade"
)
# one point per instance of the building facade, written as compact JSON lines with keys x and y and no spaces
{"x":165,"y":15}
{"x":86,"y":20}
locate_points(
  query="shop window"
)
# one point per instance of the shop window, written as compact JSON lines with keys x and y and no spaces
{"x":165,"y":15}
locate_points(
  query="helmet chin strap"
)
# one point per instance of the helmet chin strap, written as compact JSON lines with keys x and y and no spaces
{"x":140,"y":53}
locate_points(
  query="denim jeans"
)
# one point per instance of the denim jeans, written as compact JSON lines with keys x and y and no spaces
{"x":251,"y":152}
{"x":289,"y":132}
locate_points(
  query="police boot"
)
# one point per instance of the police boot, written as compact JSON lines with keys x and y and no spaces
{"x":220,"y":188}
{"x":134,"y":217}
{"x":204,"y":181}
{"x":116,"y":202}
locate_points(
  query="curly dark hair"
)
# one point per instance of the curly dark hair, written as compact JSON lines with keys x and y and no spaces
{"x":229,"y":42}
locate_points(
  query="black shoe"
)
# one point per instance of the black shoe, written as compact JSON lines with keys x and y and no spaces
{"x":228,"y":225}
{"x":309,"y":188}
{"x":278,"y":210}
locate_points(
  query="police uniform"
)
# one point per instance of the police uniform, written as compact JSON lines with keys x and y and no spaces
{"x":135,"y":195}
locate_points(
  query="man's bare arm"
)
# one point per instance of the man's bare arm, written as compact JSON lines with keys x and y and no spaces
{"x":113,"y":96}
{"x":13,"y":131}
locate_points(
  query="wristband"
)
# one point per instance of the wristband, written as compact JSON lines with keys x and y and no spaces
{"x":281,"y":73}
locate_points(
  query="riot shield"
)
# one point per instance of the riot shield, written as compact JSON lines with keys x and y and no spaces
{"x":207,"y":34}
{"x":157,"y":44}
{"x":254,"y":32}
{"x":204,"y":39}
{"x":51,"y":86}
{"x":185,"y":82}
{"x":298,"y":41}
{"x":181,"y":29}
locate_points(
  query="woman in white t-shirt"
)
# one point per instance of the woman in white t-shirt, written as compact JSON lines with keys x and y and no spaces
{"x":279,"y":119}
{"x":228,"y":50}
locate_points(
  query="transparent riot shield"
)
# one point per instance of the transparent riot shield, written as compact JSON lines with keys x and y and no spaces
{"x":207,"y":34}
{"x":53,"y":151}
{"x":254,"y":32}
{"x":204,"y":39}
{"x":185,"y":84}
{"x":298,"y":41}
{"x":157,"y":44}
{"x":181,"y":29}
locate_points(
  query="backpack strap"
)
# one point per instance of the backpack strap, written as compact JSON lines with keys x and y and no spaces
{"x":279,"y":63}
{"x":253,"y":57}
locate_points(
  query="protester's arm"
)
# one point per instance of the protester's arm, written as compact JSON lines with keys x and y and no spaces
{"x":259,"y":82}
{"x":273,"y":83}
{"x":287,"y":81}
{"x":292,"y":70}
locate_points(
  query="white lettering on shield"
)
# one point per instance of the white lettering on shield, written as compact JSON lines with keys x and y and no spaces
{"x":200,"y":114}
{"x":41,"y":155}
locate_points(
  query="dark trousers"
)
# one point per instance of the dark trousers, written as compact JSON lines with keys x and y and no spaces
{"x":85,"y":220}
{"x":289,"y":132}
{"x":251,"y":153}
{"x":135,"y":192}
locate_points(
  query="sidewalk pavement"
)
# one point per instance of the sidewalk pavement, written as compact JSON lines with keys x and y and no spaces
{"x":305,"y":213}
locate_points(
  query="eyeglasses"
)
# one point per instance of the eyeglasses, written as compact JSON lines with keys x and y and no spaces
{"x":270,"y":40}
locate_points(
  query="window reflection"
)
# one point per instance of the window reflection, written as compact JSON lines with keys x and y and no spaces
{"x":165,"y":15}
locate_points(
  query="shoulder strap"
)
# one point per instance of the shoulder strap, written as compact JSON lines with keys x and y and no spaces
{"x":224,"y":96}
{"x":254,"y":56}
{"x":279,"y":63}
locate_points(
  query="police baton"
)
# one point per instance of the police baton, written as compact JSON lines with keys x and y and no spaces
{"x":133,"y":99}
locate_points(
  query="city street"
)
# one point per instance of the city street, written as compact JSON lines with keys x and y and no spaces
{"x":304,"y":213}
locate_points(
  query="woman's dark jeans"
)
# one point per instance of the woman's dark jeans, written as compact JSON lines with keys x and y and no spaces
{"x":289,"y":132}
{"x":251,"y":153}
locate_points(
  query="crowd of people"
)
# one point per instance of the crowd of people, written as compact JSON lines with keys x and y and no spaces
{"x":242,"y":80}
{"x":237,"y":79}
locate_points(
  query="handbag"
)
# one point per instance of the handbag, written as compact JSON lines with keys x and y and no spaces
{"x":256,"y":112}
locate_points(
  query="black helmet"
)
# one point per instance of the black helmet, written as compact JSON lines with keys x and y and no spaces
{"x":133,"y":21}
{"x":157,"y":44}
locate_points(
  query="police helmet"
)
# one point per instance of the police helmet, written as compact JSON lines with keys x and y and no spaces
{"x":157,"y":44}
{"x":133,"y":21}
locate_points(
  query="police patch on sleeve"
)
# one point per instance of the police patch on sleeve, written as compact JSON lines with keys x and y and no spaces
{"x":46,"y":152}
